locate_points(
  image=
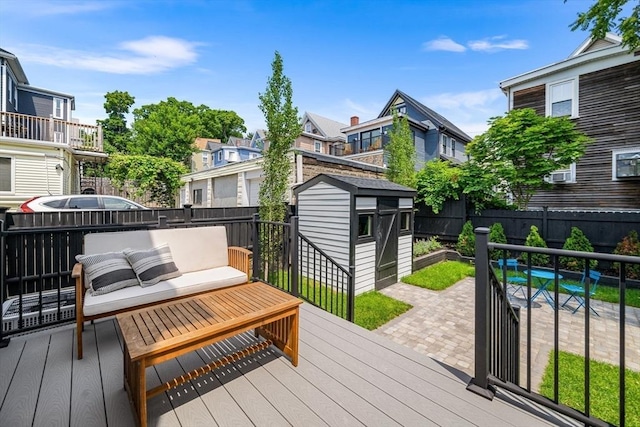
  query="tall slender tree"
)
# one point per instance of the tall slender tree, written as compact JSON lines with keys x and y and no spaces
{"x":283,"y":127}
{"x":401,"y":153}
{"x":116,"y":134}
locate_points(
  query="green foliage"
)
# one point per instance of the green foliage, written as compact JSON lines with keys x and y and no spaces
{"x":601,"y":19}
{"x":629,"y":245}
{"x":220,"y":124}
{"x":496,"y":235}
{"x":401,"y":153}
{"x":577,"y":241}
{"x":441,"y":275}
{"x":158,"y":175}
{"x":283,"y":128}
{"x":534,"y":240}
{"x":115,"y":133}
{"x":423,"y":247}
{"x":519,"y":150}
{"x":373,"y":309}
{"x":467,"y":240}
{"x":437,"y":182}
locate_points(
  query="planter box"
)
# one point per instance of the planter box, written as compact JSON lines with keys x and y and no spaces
{"x":434,"y":258}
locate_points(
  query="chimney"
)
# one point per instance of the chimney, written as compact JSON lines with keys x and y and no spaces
{"x":355,"y":120}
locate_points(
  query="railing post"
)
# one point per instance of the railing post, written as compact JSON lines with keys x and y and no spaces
{"x":294,"y":255}
{"x":187,"y":213}
{"x":480,"y":383}
{"x":3,"y":341}
{"x":351,"y":295}
{"x":162,"y":221}
{"x":256,"y":247}
{"x":51,"y":138}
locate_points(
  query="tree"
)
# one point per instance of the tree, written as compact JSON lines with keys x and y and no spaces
{"x":520,"y":149}
{"x":438,"y":182}
{"x":601,"y":18}
{"x":115,"y":133}
{"x":157,"y":175}
{"x":401,"y":153}
{"x":220,"y":124}
{"x":283,"y":128}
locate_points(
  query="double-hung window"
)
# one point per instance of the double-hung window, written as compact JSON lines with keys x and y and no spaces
{"x":58,"y":108}
{"x":562,"y":98}
{"x":317,"y":147}
{"x":6,"y":175}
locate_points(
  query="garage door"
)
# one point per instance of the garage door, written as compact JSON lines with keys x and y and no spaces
{"x":254,"y":188}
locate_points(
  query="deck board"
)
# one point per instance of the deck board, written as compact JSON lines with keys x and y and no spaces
{"x":346,"y":376}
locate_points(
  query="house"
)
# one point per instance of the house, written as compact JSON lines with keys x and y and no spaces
{"x":202,"y":158}
{"x":598,"y":87}
{"x":320,"y":134}
{"x":238,"y":183}
{"x":42,"y":147}
{"x":434,"y":136}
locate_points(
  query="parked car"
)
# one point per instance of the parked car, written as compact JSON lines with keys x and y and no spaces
{"x":74,"y":202}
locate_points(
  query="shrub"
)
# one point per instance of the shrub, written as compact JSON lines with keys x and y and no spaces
{"x":423,"y":247}
{"x":629,"y":245}
{"x":577,"y":241}
{"x":496,"y":235}
{"x":466,"y":240}
{"x":534,"y":240}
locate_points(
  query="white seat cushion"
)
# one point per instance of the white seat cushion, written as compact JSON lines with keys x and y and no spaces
{"x":188,"y":283}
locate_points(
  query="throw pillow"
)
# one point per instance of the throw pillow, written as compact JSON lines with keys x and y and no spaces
{"x":107,"y":272}
{"x":153,"y":265}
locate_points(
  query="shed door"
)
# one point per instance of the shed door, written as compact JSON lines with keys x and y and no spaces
{"x":387,"y":242}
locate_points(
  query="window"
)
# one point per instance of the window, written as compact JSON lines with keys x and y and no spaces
{"x":405,"y":221}
{"x":371,"y":140}
{"x":365,"y":223}
{"x":6,"y":174}
{"x":197,"y":196}
{"x":445,"y":142}
{"x":307,"y":127}
{"x":253,"y":155}
{"x":562,"y":99}
{"x":219,"y":156}
{"x":563,"y":176}
{"x":112,"y":203}
{"x":58,"y":105}
{"x":453,"y":147}
{"x":317,"y":147}
{"x":626,"y":164}
{"x":205,"y":159}
{"x":83,"y":203}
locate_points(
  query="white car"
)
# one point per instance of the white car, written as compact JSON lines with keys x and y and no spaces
{"x":77,"y":202}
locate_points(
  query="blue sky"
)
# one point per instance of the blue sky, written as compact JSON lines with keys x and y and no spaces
{"x":344,"y":58}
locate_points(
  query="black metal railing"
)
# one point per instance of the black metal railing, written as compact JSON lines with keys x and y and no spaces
{"x":497,"y":357}
{"x":289,"y":261}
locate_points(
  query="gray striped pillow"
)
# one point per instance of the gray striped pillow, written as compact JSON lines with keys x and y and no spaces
{"x":152,"y":265}
{"x":107,"y":272}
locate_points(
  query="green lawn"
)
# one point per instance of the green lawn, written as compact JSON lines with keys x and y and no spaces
{"x":440,"y":276}
{"x":604,"y":388}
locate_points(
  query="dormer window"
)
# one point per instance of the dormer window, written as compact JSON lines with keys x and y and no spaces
{"x":307,"y":127}
{"x":219,"y":156}
{"x":58,"y":105}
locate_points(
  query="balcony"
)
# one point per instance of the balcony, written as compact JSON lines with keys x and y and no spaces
{"x":78,"y":136}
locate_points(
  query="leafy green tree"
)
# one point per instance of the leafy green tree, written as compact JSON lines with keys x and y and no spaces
{"x":283,"y":128}
{"x":534,"y":240}
{"x":496,"y":235}
{"x":437,"y":182}
{"x":466,"y":240}
{"x":401,"y":153}
{"x":520,"y":149}
{"x":115,"y":133}
{"x":577,"y":241}
{"x":157,"y":175}
{"x":220,"y":124}
{"x":601,"y":19}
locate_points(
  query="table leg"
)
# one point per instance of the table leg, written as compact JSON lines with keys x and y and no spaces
{"x":141,"y":392}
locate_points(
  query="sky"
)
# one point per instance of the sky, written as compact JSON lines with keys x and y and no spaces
{"x":344,"y":58}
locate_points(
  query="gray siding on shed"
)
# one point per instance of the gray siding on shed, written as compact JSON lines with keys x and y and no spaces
{"x":325,"y":213}
{"x":365,"y":271}
{"x":405,"y":255}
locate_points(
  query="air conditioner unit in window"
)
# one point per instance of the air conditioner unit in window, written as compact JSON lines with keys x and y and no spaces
{"x":561,"y":177}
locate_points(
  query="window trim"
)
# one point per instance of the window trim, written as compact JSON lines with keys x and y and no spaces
{"x":368,"y":237}
{"x":575,"y":101}
{"x":614,"y":162}
{"x":405,"y":231}
{"x":219,"y":155}
{"x":307,"y":127}
{"x":12,"y":174}
{"x":61,"y":116}
{"x":193,"y":196}
{"x":317,"y":146}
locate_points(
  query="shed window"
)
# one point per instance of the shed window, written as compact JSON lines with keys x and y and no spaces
{"x":197,"y":196}
{"x":5,"y":174}
{"x":365,"y":222}
{"x":405,"y":221}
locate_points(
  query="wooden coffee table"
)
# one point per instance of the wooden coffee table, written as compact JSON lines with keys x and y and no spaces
{"x":155,"y":334}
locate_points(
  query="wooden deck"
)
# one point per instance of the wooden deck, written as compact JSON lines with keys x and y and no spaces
{"x":346,"y":376}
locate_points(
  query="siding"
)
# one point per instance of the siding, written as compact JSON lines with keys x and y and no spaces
{"x":324,"y":212}
{"x":533,"y":97}
{"x":34,"y":176}
{"x":609,"y":114}
{"x":225,"y":191}
{"x":405,"y":255}
{"x":365,"y":267}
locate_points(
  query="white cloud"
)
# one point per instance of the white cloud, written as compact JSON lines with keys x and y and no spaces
{"x":497,"y":43}
{"x":443,"y":43}
{"x":150,"y":55}
{"x":51,"y":8}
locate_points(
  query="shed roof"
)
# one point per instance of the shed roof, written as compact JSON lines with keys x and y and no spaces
{"x":360,"y":186}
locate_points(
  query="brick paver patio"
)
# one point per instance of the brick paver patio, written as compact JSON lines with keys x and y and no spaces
{"x":441,"y":325}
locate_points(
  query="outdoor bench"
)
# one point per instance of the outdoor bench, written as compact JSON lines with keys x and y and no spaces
{"x":119,"y":271}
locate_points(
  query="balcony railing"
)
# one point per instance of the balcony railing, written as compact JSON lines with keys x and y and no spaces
{"x":75,"y":135}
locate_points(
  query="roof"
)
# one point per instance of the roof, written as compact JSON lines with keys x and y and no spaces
{"x":239,"y":142}
{"x":203,"y":143}
{"x":360,"y":186}
{"x":327,"y":127}
{"x":440,"y":120}
{"x":15,"y":66}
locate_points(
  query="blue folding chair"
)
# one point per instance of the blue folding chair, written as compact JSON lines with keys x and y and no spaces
{"x":514,"y":281}
{"x":578,"y":291}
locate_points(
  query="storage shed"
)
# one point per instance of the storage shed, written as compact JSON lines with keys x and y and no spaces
{"x":361,"y":222}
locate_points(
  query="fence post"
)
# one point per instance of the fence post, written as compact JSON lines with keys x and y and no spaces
{"x":187,"y":213}
{"x":351,"y":294}
{"x":162,"y":221}
{"x":480,"y":383}
{"x":545,"y":222}
{"x":294,"y":255}
{"x":256,"y":247}
{"x":3,"y":342}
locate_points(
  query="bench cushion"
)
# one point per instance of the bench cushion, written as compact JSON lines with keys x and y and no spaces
{"x":152,"y":265}
{"x":107,"y":272}
{"x":187,"y":284}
